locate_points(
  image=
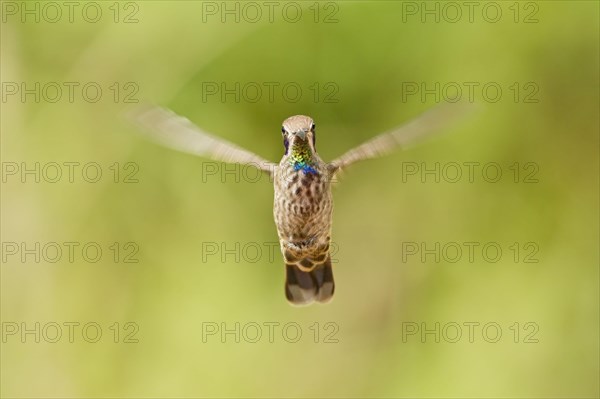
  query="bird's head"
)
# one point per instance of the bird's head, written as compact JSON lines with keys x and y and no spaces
{"x":299,"y":139}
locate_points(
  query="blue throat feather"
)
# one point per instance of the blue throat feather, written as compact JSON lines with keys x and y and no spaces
{"x":301,"y":158}
{"x":305,"y":167}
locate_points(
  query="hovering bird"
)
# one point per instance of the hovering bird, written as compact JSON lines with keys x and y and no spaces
{"x":303,"y":203}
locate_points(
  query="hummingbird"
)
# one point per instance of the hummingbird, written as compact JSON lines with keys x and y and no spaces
{"x":303,"y":201}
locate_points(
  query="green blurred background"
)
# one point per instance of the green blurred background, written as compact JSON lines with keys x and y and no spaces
{"x":172,"y":212}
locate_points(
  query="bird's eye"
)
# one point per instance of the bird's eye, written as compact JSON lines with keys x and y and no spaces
{"x":282,"y":129}
{"x":312,"y":127}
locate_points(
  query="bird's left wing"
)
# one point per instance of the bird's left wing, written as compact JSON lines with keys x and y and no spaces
{"x":427,"y":123}
{"x":178,"y":133}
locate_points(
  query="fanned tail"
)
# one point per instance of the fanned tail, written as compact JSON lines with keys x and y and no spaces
{"x":305,"y":287}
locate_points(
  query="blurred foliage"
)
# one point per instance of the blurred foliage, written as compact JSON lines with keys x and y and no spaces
{"x":368,"y":54}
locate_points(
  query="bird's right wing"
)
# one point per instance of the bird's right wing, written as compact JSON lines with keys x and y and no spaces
{"x":178,"y":133}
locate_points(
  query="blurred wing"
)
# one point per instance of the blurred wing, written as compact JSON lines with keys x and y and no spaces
{"x":401,"y":137}
{"x":178,"y":133}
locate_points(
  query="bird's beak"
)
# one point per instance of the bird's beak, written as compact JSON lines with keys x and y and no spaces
{"x":301,"y":134}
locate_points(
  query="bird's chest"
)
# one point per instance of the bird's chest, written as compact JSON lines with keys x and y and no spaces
{"x":302,"y":202}
{"x":301,"y":192}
